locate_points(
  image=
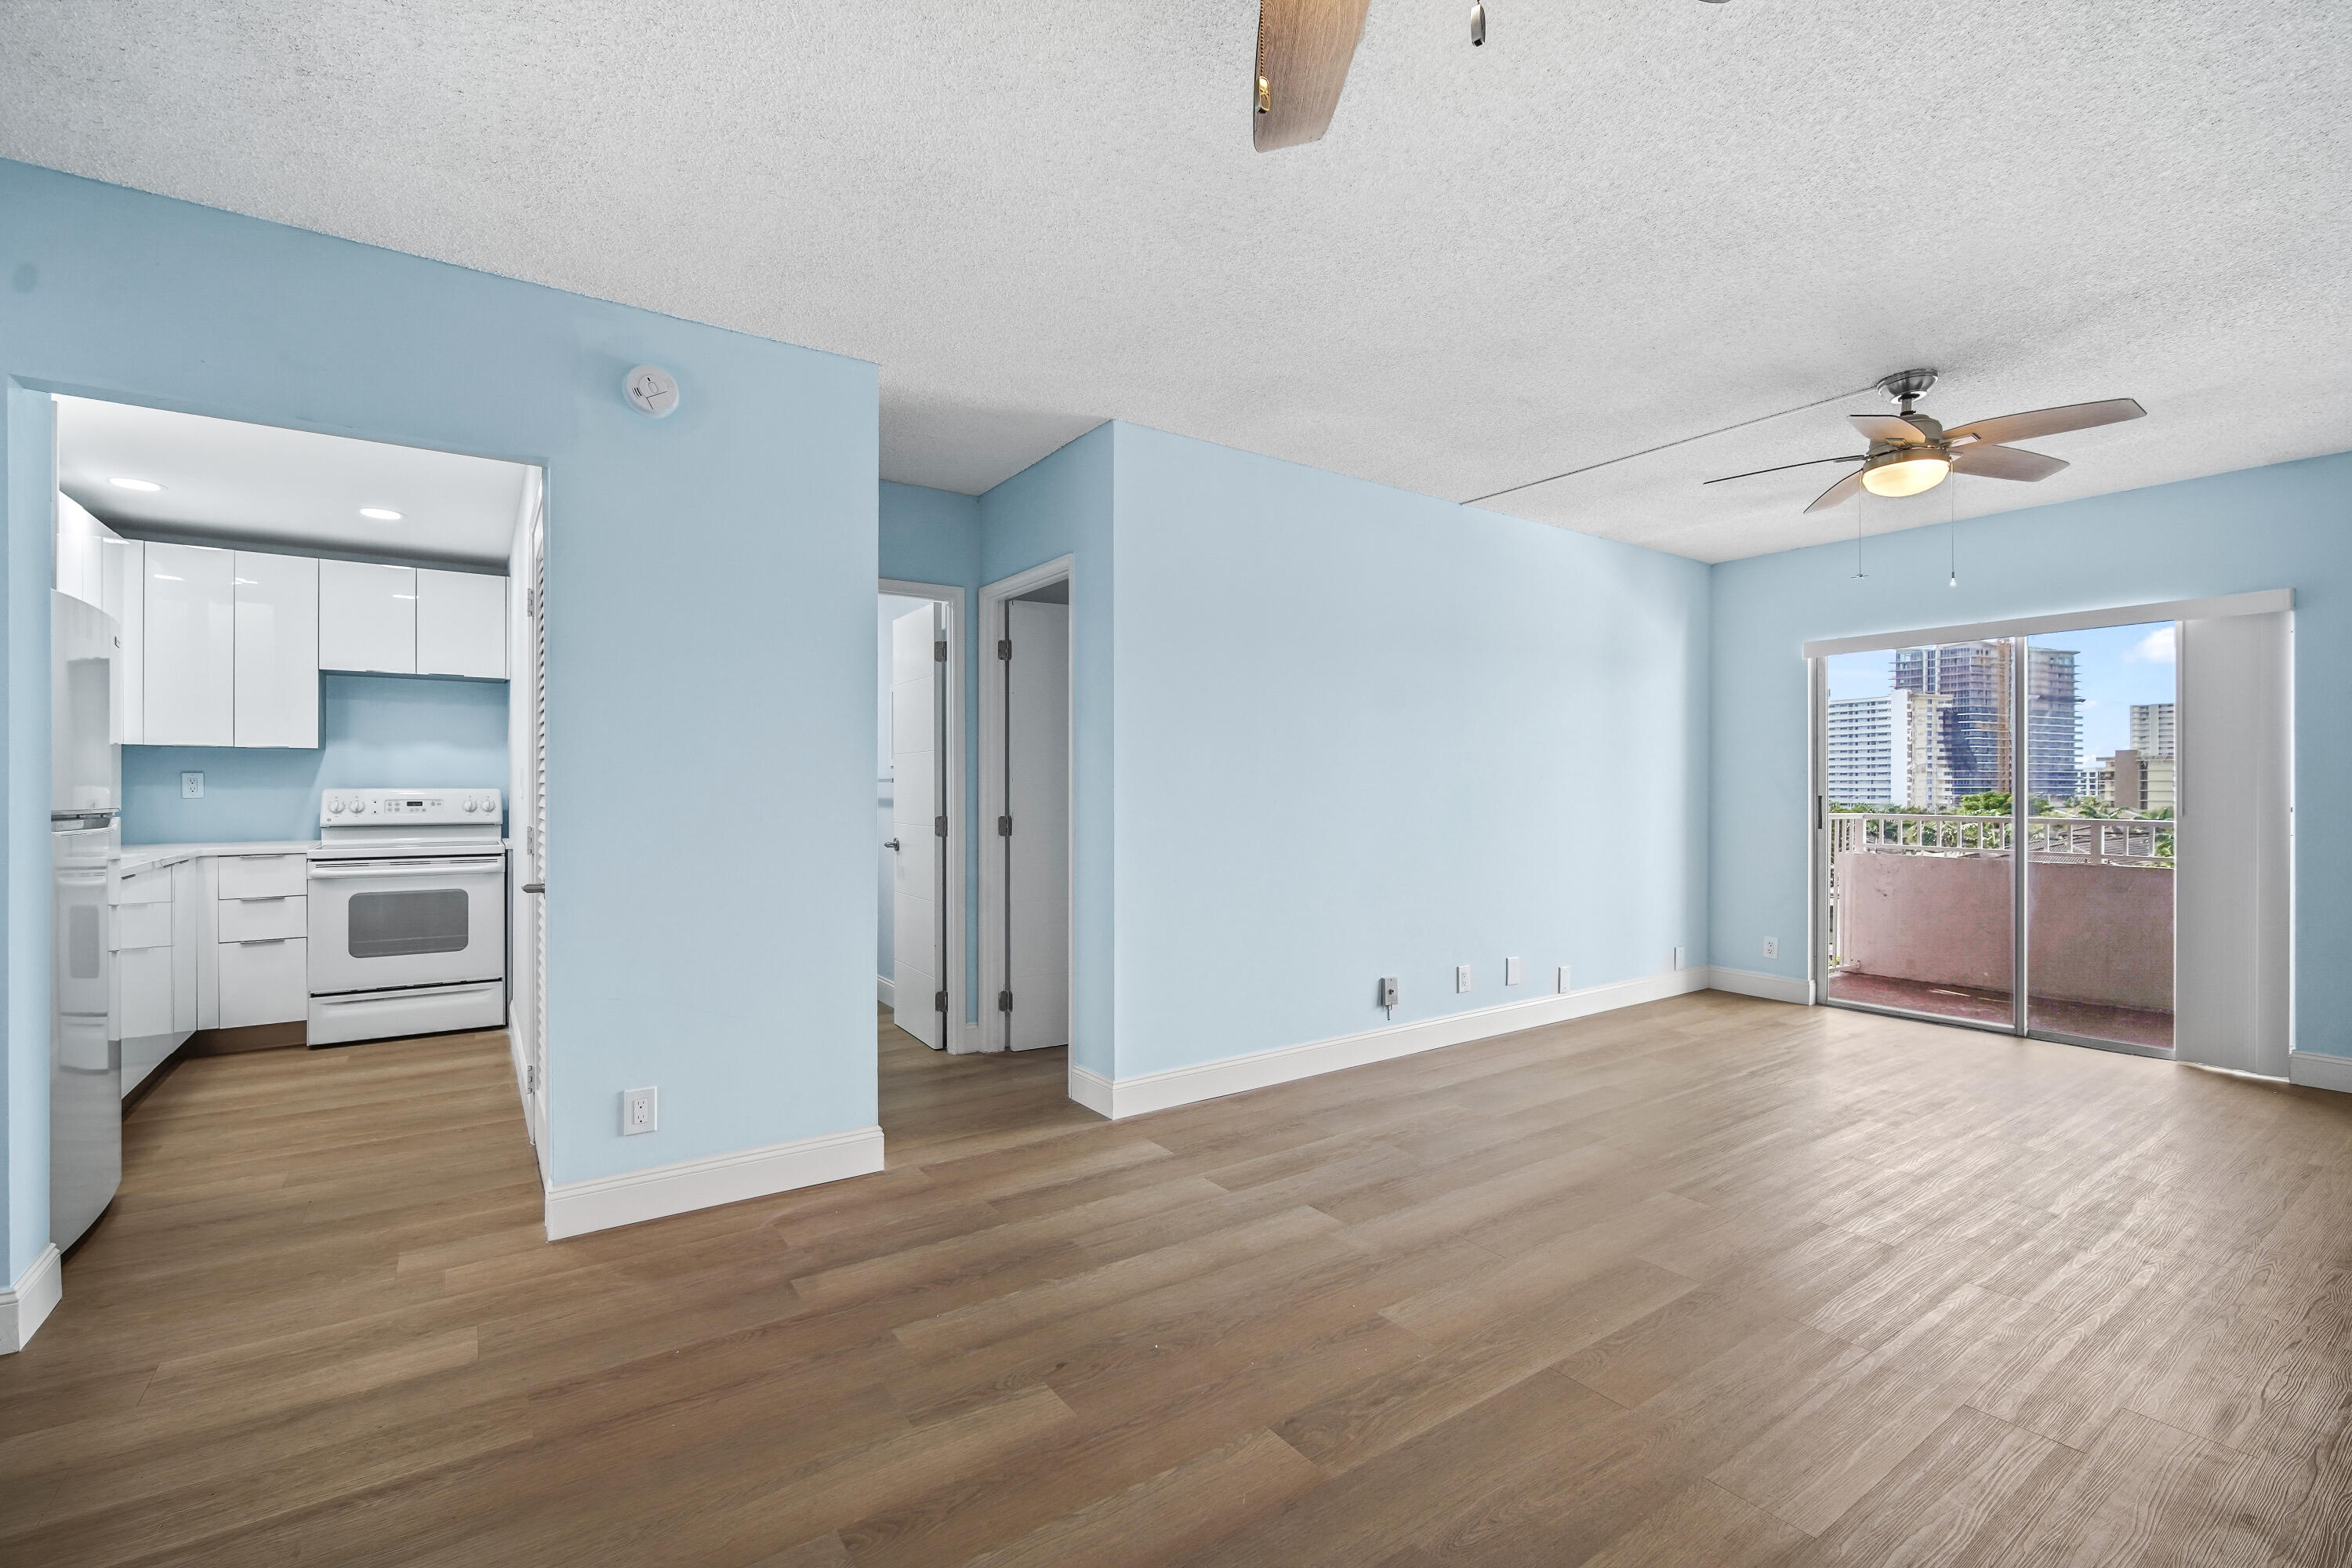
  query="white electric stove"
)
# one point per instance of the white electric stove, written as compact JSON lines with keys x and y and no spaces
{"x":408,"y":913}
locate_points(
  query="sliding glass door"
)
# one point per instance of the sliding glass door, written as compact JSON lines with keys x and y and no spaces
{"x":1995,"y":832}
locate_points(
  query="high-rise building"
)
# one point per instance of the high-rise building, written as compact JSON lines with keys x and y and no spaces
{"x":1974,"y":677}
{"x":1885,"y":751}
{"x":2151,"y":729}
{"x":2140,"y":782}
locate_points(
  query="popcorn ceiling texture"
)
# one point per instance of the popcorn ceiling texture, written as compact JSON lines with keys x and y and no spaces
{"x":1621,"y":222}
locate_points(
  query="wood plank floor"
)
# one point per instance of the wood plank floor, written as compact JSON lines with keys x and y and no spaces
{"x":1712,"y":1281}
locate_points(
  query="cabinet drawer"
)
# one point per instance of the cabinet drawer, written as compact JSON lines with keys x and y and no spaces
{"x":257,"y":919}
{"x":263,"y":875}
{"x":264,"y":983}
{"x":142,"y":925}
{"x":149,"y":886}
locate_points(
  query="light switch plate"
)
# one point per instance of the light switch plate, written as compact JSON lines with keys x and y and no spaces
{"x":192,"y":787}
{"x":640,"y":1110}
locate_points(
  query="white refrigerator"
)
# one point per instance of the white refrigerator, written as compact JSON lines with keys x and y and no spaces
{"x":85,"y":834}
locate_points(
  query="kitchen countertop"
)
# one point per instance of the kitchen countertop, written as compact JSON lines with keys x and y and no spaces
{"x":147,"y":857}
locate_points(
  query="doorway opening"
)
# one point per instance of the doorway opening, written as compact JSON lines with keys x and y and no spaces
{"x":298,"y":773}
{"x":919,"y":752}
{"x":1025,"y":791}
{"x":2041,"y":828}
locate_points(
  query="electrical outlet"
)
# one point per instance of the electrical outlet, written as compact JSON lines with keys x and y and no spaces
{"x":1462,"y":977}
{"x":192,"y":787}
{"x":1772,"y":947}
{"x":1566,"y":985}
{"x":1678,"y":960}
{"x":640,"y":1110}
{"x":1514,"y":971}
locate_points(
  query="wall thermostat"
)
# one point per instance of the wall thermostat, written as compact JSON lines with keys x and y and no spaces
{"x":653,"y":389}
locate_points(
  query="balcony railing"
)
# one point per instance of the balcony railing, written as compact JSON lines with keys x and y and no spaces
{"x":2088,"y":840}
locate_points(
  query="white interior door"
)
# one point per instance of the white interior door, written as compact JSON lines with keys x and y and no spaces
{"x":2233,"y":936}
{"x":535,"y":836}
{"x":1037,"y":802}
{"x":918,"y":885}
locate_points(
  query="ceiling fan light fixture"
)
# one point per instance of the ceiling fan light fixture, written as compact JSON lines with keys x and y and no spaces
{"x":1907,"y":474}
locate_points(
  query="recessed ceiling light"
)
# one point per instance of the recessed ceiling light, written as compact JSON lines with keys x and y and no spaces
{"x":380,"y":514}
{"x":119,"y":483}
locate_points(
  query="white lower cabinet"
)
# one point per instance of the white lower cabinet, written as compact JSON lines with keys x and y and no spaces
{"x":264,"y":982}
{"x":144,"y":976}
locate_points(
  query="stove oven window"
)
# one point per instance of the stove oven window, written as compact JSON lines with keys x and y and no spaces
{"x":391,"y":925}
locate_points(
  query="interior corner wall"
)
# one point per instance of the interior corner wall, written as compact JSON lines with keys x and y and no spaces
{"x":710,"y":605}
{"x":1362,"y":732}
{"x":2284,"y":526}
{"x":27,"y":449}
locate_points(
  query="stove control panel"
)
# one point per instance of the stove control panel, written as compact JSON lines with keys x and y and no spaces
{"x":407,"y":807}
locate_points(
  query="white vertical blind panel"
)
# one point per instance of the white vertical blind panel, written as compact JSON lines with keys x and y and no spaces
{"x":2232,"y":937}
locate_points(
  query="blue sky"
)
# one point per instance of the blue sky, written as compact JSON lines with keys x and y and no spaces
{"x":2114,"y":666}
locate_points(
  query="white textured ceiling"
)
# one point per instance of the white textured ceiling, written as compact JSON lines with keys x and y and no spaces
{"x":1621,"y":222}
{"x":227,"y":479}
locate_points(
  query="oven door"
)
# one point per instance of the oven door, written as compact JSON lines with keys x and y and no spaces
{"x":422,"y":920}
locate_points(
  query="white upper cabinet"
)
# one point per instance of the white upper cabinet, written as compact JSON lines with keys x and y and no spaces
{"x":461,"y":624}
{"x":276,"y":650}
{"x":367,"y":617}
{"x":191,"y":654}
{"x":123,"y":594}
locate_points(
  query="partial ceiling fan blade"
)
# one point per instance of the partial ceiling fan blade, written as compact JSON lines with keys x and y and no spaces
{"x":2049,"y":421}
{"x":2004,"y":463}
{"x":1887,"y":428}
{"x":1808,"y":463}
{"x":1839,"y":492}
{"x":1304,"y":48}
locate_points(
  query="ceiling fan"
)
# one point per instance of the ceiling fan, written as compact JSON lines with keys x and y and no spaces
{"x":1910,"y":452}
{"x":1304,"y":48}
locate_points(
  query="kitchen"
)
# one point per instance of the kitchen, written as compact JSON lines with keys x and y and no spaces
{"x":284,"y":756}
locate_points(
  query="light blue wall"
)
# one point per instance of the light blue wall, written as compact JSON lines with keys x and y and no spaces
{"x":375,"y":732}
{"x":933,"y":536}
{"x":2288,"y":526}
{"x":27,"y":448}
{"x":1061,"y":505}
{"x":710,"y":594}
{"x":1361,"y":732}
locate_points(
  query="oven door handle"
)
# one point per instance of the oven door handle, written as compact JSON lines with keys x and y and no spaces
{"x":405,"y":868}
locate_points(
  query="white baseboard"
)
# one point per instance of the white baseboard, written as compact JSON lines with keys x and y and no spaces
{"x":576,"y":1208}
{"x":1125,"y":1096}
{"x":26,"y":1305}
{"x":2315,"y":1070}
{"x":1090,"y":1090}
{"x":1771,"y":987}
{"x":885,"y":993}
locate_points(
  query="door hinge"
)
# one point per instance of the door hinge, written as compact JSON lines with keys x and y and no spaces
{"x":530,"y":1078}
{"x":1004,"y":827}
{"x":1005,"y":1001}
{"x":529,"y":603}
{"x":939,"y":652}
{"x":939,"y":1002}
{"x":1004,"y":648}
{"x":939,"y":827}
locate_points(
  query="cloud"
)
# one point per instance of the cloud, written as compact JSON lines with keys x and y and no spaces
{"x":2153,"y":648}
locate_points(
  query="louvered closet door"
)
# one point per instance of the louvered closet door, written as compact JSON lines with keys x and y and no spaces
{"x":538,"y":814}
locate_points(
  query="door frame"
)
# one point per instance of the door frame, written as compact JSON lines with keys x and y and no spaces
{"x":992,"y":1033}
{"x":958,"y":1032}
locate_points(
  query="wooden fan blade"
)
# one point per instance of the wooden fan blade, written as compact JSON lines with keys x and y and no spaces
{"x":1886,"y":427}
{"x":2004,"y":463}
{"x":2049,"y":421}
{"x":1838,"y":493}
{"x":1808,"y":463}
{"x":1304,"y":48}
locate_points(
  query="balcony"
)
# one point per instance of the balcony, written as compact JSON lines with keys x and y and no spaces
{"x":1921,"y":914}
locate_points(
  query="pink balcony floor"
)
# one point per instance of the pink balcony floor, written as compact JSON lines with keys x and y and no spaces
{"x":2131,"y":1026}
